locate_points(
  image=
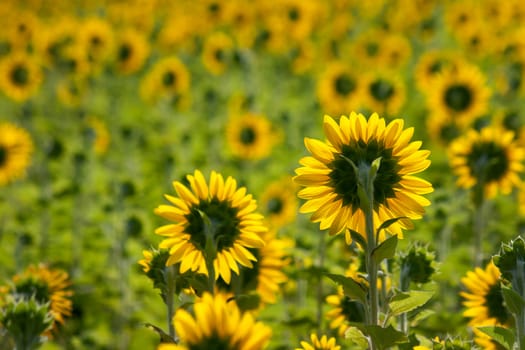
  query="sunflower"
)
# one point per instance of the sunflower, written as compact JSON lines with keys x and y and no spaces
{"x":319,"y":344}
{"x":397,"y":51}
{"x":20,"y":76}
{"x":459,"y":15}
{"x":217,"y":52}
{"x":369,"y":48}
{"x":432,"y":63}
{"x":478,"y":40}
{"x":101,"y":135}
{"x":53,"y":40}
{"x":266,"y":275}
{"x":461,"y":93}
{"x":250,"y":136}
{"x":483,"y":297}
{"x":298,"y":18}
{"x":279,"y":202}
{"x":96,"y":40}
{"x":71,"y":91}
{"x":331,"y":183}
{"x":22,"y":27}
{"x":241,"y":19}
{"x":46,"y":285}
{"x":219,"y":324}
{"x":442,"y":129}
{"x":168,"y":78}
{"x":491,"y":158}
{"x":16,"y":148}
{"x":131,"y":51}
{"x":339,"y":88}
{"x":384,"y":92}
{"x":235,"y":224}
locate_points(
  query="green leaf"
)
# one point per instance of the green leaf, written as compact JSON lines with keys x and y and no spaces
{"x":385,"y":250}
{"x":407,"y":301}
{"x":513,"y":300}
{"x":164,"y":337}
{"x":356,"y":336}
{"x":356,"y":236}
{"x":420,"y":316}
{"x":385,"y":338}
{"x":387,"y":223}
{"x":503,"y":336}
{"x":247,"y":301}
{"x":351,"y":288}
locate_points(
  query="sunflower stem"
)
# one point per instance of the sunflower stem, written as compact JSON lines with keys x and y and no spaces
{"x":320,"y":299}
{"x":171,"y":273}
{"x":479,"y":222}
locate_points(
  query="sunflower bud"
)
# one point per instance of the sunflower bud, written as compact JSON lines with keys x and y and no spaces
{"x":511,"y":262}
{"x":417,"y":265}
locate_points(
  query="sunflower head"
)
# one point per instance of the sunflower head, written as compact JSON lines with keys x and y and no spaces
{"x":214,"y":224}
{"x":16,"y":148}
{"x":332,"y":176}
{"x":219,"y":324}
{"x":316,"y":343}
{"x":511,"y":262}
{"x":417,"y":265}
{"x":490,"y":159}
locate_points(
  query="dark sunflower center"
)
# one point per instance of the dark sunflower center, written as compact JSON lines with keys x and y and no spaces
{"x":382,"y":90}
{"x":344,"y":180}
{"x":487,"y":161}
{"x":20,"y":75}
{"x":124,"y":52}
{"x":352,"y":310}
{"x":213,"y":342}
{"x":248,"y":135}
{"x":219,"y":55}
{"x":293,"y":14}
{"x":96,"y":41}
{"x":494,"y":304}
{"x":448,"y":132}
{"x":223,"y":219}
{"x":344,"y":84}
{"x":458,"y":97}
{"x":169,"y":79}
{"x":372,"y":49}
{"x":36,"y":288}
{"x":3,"y":156}
{"x":275,"y":205}
{"x":435,"y":67}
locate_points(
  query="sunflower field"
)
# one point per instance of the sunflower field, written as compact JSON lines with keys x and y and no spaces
{"x":245,"y":175}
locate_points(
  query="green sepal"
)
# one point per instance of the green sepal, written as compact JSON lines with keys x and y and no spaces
{"x":386,"y":224}
{"x":356,"y":236}
{"x":386,"y":250}
{"x":164,"y":337}
{"x":503,"y":336}
{"x":351,"y":288}
{"x":385,"y":338}
{"x":404,"y":302}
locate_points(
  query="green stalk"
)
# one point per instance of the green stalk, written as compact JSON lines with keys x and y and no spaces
{"x":479,"y":223}
{"x":170,"y":275}
{"x":320,"y":299}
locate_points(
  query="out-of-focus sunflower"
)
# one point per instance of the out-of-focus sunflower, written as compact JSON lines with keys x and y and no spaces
{"x":331,"y":183}
{"x":397,"y":51}
{"x":432,"y":63}
{"x":71,"y":91}
{"x":46,"y":285}
{"x":384,"y":92}
{"x":297,"y":16}
{"x":303,"y":57}
{"x":442,"y":129}
{"x":22,"y":27}
{"x":20,"y":76}
{"x":16,"y":148}
{"x":250,"y":136}
{"x":477,"y":40}
{"x":100,"y":134}
{"x":53,"y":41}
{"x":241,"y":21}
{"x":96,"y":40}
{"x":267,"y":275}
{"x":459,"y":15}
{"x":168,"y":78}
{"x":177,"y":31}
{"x":217,"y":52}
{"x":316,"y":343}
{"x":339,"y":88}
{"x":461,"y":93}
{"x":483,"y":298}
{"x":369,"y":49}
{"x":219,"y":324}
{"x":279,"y":202}
{"x":491,"y":158}
{"x":131,"y":51}
{"x":236,"y":226}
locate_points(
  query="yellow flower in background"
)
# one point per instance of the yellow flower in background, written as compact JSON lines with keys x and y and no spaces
{"x":219,"y":324}
{"x":279,"y":202}
{"x":491,"y":158}
{"x":231,"y":212}
{"x":461,"y":93}
{"x":46,"y":285}
{"x":431,"y":64}
{"x":101,"y":137}
{"x":483,"y":298}
{"x":20,"y":76}
{"x":131,"y":50}
{"x":384,"y":92}
{"x":53,"y":41}
{"x":217,"y":52}
{"x":250,"y":136}
{"x":71,"y":91}
{"x":16,"y":149}
{"x":339,"y":88}
{"x":316,"y":343}
{"x":267,"y":275}
{"x":331,"y":183}
{"x":96,"y":39}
